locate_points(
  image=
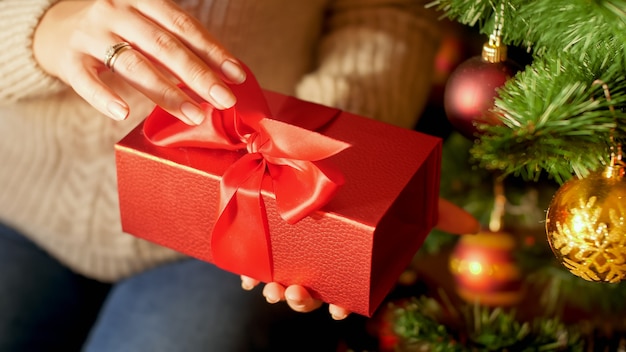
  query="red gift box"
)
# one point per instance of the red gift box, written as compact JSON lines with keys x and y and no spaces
{"x":347,"y":249}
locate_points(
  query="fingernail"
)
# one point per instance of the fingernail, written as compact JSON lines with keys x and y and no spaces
{"x":294,"y":300}
{"x":338,"y":316}
{"x":271,"y":299}
{"x":117,"y":110}
{"x":192,"y":112}
{"x":222,"y":96}
{"x":233,"y":72}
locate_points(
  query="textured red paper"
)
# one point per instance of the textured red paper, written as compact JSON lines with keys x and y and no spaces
{"x":350,"y":253}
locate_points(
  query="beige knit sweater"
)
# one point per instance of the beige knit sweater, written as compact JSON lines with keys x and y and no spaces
{"x":57,"y":168}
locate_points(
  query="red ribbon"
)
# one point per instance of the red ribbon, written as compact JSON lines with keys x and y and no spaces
{"x":290,"y":155}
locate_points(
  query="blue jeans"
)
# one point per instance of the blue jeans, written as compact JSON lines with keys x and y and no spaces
{"x":185,"y":306}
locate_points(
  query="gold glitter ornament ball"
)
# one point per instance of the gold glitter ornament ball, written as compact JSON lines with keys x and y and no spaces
{"x":586,"y":226}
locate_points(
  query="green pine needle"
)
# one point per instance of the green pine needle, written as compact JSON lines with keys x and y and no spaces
{"x":482,"y":329}
{"x":556,"y":120}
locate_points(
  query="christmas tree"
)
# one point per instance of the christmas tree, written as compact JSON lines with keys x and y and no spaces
{"x":536,"y":156}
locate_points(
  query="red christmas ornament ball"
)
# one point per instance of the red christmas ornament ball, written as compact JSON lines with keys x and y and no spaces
{"x":485,"y":271}
{"x":471,"y":91}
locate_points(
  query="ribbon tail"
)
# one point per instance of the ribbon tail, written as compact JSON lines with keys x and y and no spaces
{"x":240,"y":240}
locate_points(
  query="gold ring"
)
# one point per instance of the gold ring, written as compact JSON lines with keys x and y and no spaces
{"x":112,"y":52}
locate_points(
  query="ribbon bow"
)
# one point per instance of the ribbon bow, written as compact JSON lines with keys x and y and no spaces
{"x":290,"y":155}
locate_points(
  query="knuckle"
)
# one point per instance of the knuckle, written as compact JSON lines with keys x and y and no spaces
{"x":130,"y":62}
{"x":198,"y":74}
{"x":98,"y":8}
{"x":167,"y":95}
{"x":72,"y":72}
{"x":91,"y":93}
{"x":215,"y":51}
{"x":99,"y":13}
{"x":76,"y":81}
{"x":183,"y":24}
{"x":164,"y":42}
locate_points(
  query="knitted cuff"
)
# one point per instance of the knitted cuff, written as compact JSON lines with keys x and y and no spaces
{"x":20,"y":75}
{"x":376,"y":63}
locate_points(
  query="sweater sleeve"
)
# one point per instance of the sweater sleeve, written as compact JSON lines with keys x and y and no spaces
{"x":20,"y":75}
{"x":375,"y":59}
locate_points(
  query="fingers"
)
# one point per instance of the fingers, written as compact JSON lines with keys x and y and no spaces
{"x":168,"y":47}
{"x":455,"y":220}
{"x":296,"y":296}
{"x":274,"y":292}
{"x":86,"y":82}
{"x":189,"y":31}
{"x":200,"y":71}
{"x":248,"y":283}
{"x":140,"y":73}
{"x":338,"y":313}
{"x":299,"y":299}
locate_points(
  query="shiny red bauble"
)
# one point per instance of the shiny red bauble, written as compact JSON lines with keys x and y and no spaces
{"x":485,"y":270}
{"x":471,"y":91}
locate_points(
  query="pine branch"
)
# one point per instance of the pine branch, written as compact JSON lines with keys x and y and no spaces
{"x":466,"y":12}
{"x":417,"y":323}
{"x":575,"y":26}
{"x":555,"y":119}
{"x":481,"y":329}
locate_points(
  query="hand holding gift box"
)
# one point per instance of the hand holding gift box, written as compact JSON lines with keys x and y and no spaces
{"x":255,"y":190}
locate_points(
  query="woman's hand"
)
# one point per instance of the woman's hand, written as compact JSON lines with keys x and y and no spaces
{"x":168,"y":46}
{"x":451,"y":219}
